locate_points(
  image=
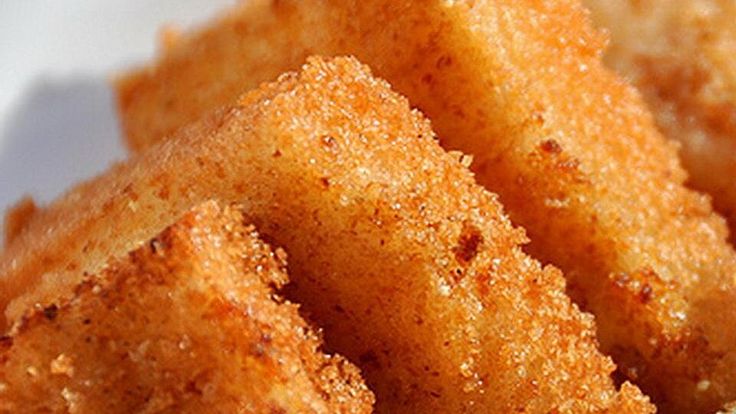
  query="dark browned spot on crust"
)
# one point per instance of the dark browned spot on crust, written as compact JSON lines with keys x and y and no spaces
{"x":6,"y":342}
{"x":468,"y":243}
{"x":192,"y":387}
{"x":557,"y":166}
{"x":329,"y":142}
{"x":325,"y":182}
{"x":550,"y":146}
{"x":646,"y":293}
{"x":50,"y":312}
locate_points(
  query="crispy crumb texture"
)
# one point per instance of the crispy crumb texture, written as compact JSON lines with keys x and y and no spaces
{"x":186,"y":323}
{"x":412,"y":269}
{"x":682,"y":56}
{"x":570,"y":148}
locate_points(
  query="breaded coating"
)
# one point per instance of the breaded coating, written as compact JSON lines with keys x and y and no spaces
{"x":411,"y":268}
{"x":569,"y":147}
{"x":187,"y":323}
{"x":682,"y":55}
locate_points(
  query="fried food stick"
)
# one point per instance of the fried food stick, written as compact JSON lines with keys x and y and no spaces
{"x":569,"y":147}
{"x":186,"y":323}
{"x":411,"y":268}
{"x":682,"y":56}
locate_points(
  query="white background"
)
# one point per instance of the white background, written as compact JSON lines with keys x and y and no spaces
{"x":57,"y":114}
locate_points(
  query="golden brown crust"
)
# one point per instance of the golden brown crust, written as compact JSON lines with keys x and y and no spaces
{"x":680,"y":54}
{"x":411,"y":268}
{"x":186,"y":323}
{"x":569,"y":147}
{"x":17,"y":217}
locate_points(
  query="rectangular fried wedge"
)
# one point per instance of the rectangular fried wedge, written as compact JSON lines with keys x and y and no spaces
{"x":411,"y":268}
{"x":185,"y":323}
{"x":569,"y":147}
{"x":681,"y":55}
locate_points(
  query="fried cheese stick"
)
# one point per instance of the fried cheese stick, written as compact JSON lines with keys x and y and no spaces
{"x":569,"y":147}
{"x":186,"y":323}
{"x":682,"y":56}
{"x":412,"y":269}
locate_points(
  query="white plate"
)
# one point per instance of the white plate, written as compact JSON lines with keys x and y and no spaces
{"x":57,"y":115}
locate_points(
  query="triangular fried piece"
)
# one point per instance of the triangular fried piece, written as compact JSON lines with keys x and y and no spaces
{"x":186,"y":323}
